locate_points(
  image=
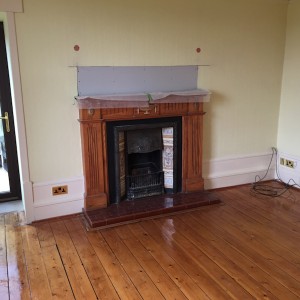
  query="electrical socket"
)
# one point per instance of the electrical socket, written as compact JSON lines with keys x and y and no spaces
{"x":290,"y":164}
{"x":287,"y":162}
{"x":59,"y":190}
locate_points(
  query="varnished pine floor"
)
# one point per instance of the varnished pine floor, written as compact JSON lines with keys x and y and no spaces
{"x":246,"y":248}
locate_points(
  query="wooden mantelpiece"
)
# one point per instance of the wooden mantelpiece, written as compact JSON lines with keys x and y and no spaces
{"x":94,"y":145}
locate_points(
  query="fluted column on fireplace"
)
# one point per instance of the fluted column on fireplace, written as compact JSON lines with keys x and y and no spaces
{"x":94,"y":160}
{"x":192,"y":152}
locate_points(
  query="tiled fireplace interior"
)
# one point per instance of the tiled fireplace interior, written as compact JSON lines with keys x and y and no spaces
{"x":144,"y":158}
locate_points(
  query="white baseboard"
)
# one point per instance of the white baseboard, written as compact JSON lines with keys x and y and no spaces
{"x":27,"y":199}
{"x":286,"y":174}
{"x":233,"y":171}
{"x":217,"y":173}
{"x":46,"y":205}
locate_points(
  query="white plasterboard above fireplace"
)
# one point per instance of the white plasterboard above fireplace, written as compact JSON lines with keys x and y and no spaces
{"x":134,"y":80}
{"x":138,"y":84}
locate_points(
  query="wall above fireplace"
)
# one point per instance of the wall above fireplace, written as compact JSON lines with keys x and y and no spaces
{"x":116,"y":87}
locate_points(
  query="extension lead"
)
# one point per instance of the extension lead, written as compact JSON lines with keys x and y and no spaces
{"x":268,"y":190}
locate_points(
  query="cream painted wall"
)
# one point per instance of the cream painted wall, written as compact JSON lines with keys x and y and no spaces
{"x":289,"y":124}
{"x":241,"y":40}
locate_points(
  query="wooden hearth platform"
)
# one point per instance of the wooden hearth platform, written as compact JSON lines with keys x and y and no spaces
{"x":134,"y":210}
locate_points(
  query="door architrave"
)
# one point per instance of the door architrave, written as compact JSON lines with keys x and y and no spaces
{"x":8,"y":19}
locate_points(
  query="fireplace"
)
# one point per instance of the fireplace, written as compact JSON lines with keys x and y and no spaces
{"x":98,"y":125}
{"x":144,"y":157}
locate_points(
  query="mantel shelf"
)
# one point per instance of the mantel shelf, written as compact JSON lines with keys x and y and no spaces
{"x":141,"y":99}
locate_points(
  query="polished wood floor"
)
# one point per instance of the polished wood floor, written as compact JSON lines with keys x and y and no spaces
{"x":245,"y":248}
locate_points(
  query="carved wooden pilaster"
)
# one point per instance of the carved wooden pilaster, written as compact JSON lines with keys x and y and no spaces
{"x":94,"y":157}
{"x":192,"y":140}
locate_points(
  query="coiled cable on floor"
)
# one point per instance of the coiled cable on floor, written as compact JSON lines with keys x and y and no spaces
{"x":268,"y":190}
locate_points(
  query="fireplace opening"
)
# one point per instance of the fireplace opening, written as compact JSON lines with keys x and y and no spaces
{"x":144,"y":176}
{"x":144,"y":158}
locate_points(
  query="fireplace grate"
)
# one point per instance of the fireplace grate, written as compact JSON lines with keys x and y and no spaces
{"x":145,"y":180}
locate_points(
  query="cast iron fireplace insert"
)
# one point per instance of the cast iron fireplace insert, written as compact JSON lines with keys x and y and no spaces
{"x":152,"y":166}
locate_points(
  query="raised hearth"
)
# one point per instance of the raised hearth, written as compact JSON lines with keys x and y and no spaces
{"x":130,"y":211}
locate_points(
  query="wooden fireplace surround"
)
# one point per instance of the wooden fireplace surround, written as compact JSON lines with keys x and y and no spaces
{"x":94,"y":145}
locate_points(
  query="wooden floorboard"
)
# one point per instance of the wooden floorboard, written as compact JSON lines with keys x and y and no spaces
{"x":16,"y":264}
{"x":245,"y":248}
{"x":4,"y":289}
{"x":132,"y":267}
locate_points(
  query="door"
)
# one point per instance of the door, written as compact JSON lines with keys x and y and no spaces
{"x":9,"y":169}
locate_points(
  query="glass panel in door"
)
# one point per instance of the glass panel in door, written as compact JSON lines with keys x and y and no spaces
{"x":4,"y":180}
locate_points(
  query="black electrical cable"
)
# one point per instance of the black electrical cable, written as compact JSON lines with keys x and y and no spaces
{"x":269,"y":190}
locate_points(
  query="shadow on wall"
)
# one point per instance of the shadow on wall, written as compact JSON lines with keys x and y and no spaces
{"x":208,"y":132}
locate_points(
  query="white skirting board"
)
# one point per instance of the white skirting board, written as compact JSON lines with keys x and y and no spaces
{"x":233,"y":171}
{"x":217,"y":173}
{"x":45,"y":205}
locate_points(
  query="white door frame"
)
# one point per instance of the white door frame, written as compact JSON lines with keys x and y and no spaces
{"x":15,"y":80}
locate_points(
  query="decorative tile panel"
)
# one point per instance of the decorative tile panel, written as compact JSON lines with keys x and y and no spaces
{"x":167,"y":156}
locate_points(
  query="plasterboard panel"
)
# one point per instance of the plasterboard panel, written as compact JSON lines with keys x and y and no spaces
{"x":11,"y":5}
{"x":121,"y":80}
